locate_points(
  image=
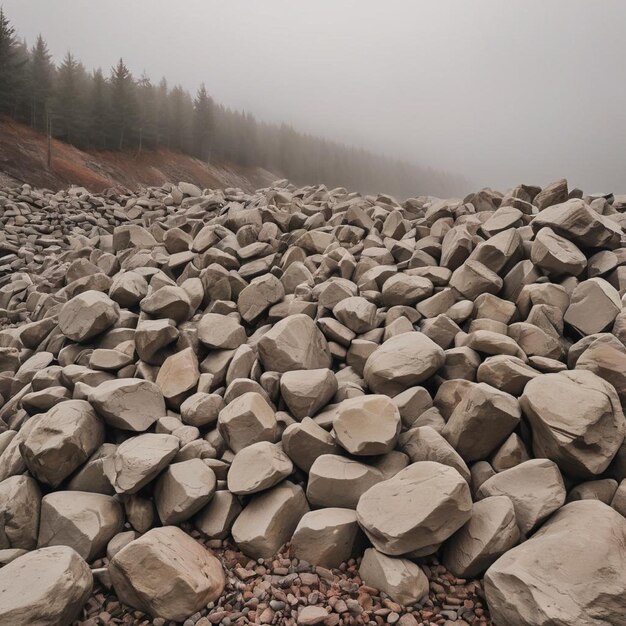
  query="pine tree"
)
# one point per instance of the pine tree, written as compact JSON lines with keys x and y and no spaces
{"x":123,"y":104}
{"x":11,"y":67}
{"x":70,"y":115}
{"x":203,"y":124}
{"x":98,"y":109}
{"x":40,"y":84}
{"x":147,"y":113}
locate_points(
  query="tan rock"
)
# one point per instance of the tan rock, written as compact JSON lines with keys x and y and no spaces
{"x":435,"y":503}
{"x":402,"y":580}
{"x":87,"y":315}
{"x":490,"y":532}
{"x":294,"y":343}
{"x":246,"y":420}
{"x":139,"y":460}
{"x":535,"y":487}
{"x":576,"y":419}
{"x":61,"y":440}
{"x":335,"y":481}
{"x":216,"y":519}
{"x":424,"y":443}
{"x":483,"y":419}
{"x":258,"y":467}
{"x":169,"y":301}
{"x":569,"y":572}
{"x":306,"y":441}
{"x":128,"y":403}
{"x":167,"y":574}
{"x":357,"y":314}
{"x":268,"y":522}
{"x":47,"y":587}
{"x":20,"y":504}
{"x":305,"y":392}
{"x":201,"y":409}
{"x":367,"y":425}
{"x":327,"y":537}
{"x":183,"y":489}
{"x":407,"y":290}
{"x":402,"y":362}
{"x":259,"y":295}
{"x":594,"y":305}
{"x":83,"y":521}
{"x":178,"y":374}
{"x":556,"y":255}
{"x":578,"y":222}
{"x":222,"y":332}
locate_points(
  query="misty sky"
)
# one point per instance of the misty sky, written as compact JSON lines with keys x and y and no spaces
{"x":501,"y":91}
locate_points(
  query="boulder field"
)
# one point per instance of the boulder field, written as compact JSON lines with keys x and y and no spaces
{"x":306,"y":406}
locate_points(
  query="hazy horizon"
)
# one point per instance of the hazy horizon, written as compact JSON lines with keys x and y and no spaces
{"x":500,"y":93}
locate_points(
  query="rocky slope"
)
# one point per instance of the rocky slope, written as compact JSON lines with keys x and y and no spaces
{"x":24,"y":154}
{"x":307,"y":406}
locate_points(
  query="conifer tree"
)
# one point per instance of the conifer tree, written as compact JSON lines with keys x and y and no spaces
{"x":123,"y":104}
{"x":203,"y":124}
{"x":40,"y":84}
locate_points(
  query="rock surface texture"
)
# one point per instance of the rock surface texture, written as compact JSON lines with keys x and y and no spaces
{"x":309,"y":406}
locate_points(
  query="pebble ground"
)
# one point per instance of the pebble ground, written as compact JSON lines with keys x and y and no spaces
{"x":273,"y":591}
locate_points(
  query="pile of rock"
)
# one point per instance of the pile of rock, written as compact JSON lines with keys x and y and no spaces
{"x":380,"y":386}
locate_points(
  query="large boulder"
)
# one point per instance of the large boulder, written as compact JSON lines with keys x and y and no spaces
{"x":20,"y":504}
{"x":246,"y":420}
{"x":128,"y":403}
{"x":61,"y":440}
{"x":305,"y":392}
{"x":570,"y":572}
{"x":367,"y":425}
{"x":46,"y":587}
{"x":258,"y":467}
{"x":167,"y":574}
{"x":84,"y":521}
{"x":87,"y":315}
{"x":335,"y":481}
{"x":402,"y":580}
{"x":416,"y":510}
{"x":183,"y":489}
{"x":139,"y":460}
{"x":490,"y":532}
{"x":401,"y":362}
{"x":576,"y":419}
{"x":327,"y":537}
{"x":481,"y":421}
{"x":294,"y":343}
{"x":269,"y":520}
{"x":535,"y":487}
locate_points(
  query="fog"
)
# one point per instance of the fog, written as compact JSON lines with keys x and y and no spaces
{"x":501,"y":92}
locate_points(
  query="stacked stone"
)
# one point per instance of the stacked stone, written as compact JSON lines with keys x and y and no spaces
{"x":381,"y":386}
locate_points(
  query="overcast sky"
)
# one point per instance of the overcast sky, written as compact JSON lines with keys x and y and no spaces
{"x":501,"y":91}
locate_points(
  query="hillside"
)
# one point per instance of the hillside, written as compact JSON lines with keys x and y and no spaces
{"x":23,"y":158}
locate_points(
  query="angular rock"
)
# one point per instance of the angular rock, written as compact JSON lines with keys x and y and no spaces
{"x":183,"y":489}
{"x":402,"y":580}
{"x":569,"y":572}
{"x":258,"y":467}
{"x":402,"y":362}
{"x":48,"y":587}
{"x":327,"y":537}
{"x":367,"y":425}
{"x":269,"y":520}
{"x":167,"y":574}
{"x":436,"y":502}
{"x":128,"y":403}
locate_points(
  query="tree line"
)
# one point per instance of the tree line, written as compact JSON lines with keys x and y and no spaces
{"x":118,"y":111}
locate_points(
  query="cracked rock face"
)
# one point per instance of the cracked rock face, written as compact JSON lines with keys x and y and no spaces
{"x":405,"y":384}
